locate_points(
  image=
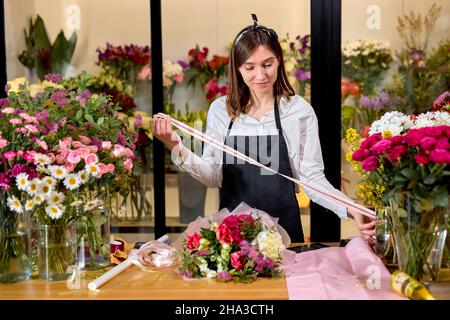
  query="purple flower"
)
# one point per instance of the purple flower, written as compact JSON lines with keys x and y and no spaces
{"x":83,"y":97}
{"x":224,"y":276}
{"x":4,"y":103}
{"x":302,"y":75}
{"x":60,"y":98}
{"x":52,"y":127}
{"x":138,"y":121}
{"x":183,"y":64}
{"x":42,"y":115}
{"x":55,"y":78}
{"x":4,"y":181}
{"x":186,"y":274}
{"x":263,"y":263}
{"x":203,"y":252}
{"x":7,"y":87}
{"x":97,"y":142}
{"x":366,"y":102}
{"x":121,"y":139}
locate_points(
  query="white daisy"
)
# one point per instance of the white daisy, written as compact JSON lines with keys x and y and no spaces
{"x":22,"y":181}
{"x":91,"y":205}
{"x":54,"y":212}
{"x":29,"y":205}
{"x":58,"y":172}
{"x":32,"y":186}
{"x":72,"y":181}
{"x":38,"y":199}
{"x":50,"y":181}
{"x":92,"y":169}
{"x":55,"y":198}
{"x":14,"y":204}
{"x":41,"y":159}
{"x":83,"y":176}
{"x":44,"y":189}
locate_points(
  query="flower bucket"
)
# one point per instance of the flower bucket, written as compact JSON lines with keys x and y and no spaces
{"x":419,"y":238}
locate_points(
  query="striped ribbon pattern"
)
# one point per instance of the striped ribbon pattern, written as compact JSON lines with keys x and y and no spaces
{"x":219,"y":145}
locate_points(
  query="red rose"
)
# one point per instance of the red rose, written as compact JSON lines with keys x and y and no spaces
{"x":370,"y":164}
{"x":360,"y":155}
{"x":238,"y":260}
{"x":440,"y":156}
{"x":427,"y":143}
{"x":224,"y":235}
{"x":194,"y":241}
{"x":381,"y":146}
{"x":246,"y":219}
{"x":442,"y":143}
{"x":413,"y":137}
{"x":396,"y":152}
{"x":232,"y":222}
{"x":421,"y":159}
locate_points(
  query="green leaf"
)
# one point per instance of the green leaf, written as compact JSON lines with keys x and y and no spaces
{"x":100,"y":120}
{"x":410,"y":173}
{"x":62,"y":52}
{"x":429,"y":180}
{"x":79,"y":114}
{"x":440,"y":197}
{"x":208,"y":234}
{"x":89,"y":118}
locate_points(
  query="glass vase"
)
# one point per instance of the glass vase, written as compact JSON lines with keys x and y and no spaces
{"x":56,"y":251}
{"x":419,"y":238}
{"x":15,"y":246}
{"x":385,"y":240}
{"x":93,"y":238}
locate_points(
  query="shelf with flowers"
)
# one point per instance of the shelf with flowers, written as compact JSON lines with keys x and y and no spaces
{"x":64,"y":150}
{"x":409,"y":156}
{"x":297,"y":61}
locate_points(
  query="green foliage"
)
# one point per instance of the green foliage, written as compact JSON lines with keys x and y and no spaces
{"x":43,"y":56}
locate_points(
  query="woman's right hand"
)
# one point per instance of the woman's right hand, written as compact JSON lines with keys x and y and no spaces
{"x":162,"y":130}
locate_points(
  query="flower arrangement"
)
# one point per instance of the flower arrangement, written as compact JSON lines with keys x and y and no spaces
{"x":207,"y":73}
{"x":364,"y":62}
{"x":124,"y":62}
{"x":408,"y":158}
{"x":297,"y":60}
{"x":61,"y":151}
{"x":173,"y":74}
{"x":233,"y":247}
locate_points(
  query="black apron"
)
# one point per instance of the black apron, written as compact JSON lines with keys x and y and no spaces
{"x":244,"y":182}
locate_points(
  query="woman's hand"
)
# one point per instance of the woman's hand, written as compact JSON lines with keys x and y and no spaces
{"x":366,"y":226}
{"x":162,"y":130}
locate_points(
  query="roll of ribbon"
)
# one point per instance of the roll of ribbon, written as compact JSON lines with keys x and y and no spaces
{"x":116,"y":245}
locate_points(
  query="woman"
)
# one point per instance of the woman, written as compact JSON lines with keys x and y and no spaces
{"x":262,"y":117}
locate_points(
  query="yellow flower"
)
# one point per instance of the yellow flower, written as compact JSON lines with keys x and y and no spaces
{"x":348,"y":156}
{"x":35,"y":89}
{"x":351,"y":136}
{"x":18,"y":84}
{"x":387,"y":134}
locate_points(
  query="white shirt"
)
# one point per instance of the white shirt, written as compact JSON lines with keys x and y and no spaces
{"x":300,"y":130}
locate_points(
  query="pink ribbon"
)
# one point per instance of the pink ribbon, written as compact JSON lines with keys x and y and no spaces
{"x":314,"y":188}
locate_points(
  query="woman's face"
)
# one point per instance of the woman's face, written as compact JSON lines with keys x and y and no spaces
{"x":260,"y":70}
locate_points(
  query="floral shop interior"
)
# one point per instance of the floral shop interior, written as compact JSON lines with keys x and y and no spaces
{"x":80,"y":158}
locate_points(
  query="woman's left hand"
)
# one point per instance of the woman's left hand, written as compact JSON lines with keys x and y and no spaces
{"x":366,"y":226}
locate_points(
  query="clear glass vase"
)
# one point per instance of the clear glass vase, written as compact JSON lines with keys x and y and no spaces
{"x":15,"y":246}
{"x":57,"y":251}
{"x":385,"y":240}
{"x":93,"y":238}
{"x":419,"y":238}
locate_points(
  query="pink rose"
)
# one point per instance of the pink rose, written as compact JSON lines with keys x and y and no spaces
{"x":102,"y":168}
{"x":29,"y":156}
{"x":83,"y":152}
{"x":3,"y":143}
{"x":440,"y":156}
{"x":178,"y":77}
{"x":65,"y":143}
{"x":118,"y":150}
{"x":247,"y":219}
{"x":413,"y":137}
{"x":128,"y":152}
{"x":238,"y":260}
{"x":442,"y":143}
{"x":370,"y":141}
{"x":194,"y":241}
{"x":78,"y":144}
{"x":381,"y":146}
{"x":223,"y":234}
{"x":360,"y":155}
{"x":397,"y":152}
{"x":427,"y":143}
{"x":128,"y":164}
{"x":85,"y":139}
{"x":42,"y":144}
{"x":422,"y":159}
{"x":370,"y":164}
{"x":74,"y":157}
{"x":232,"y":222}
{"x":91,"y":159}
{"x":110,"y":167}
{"x":31,"y":128}
{"x":70,"y":166}
{"x":9,"y":110}
{"x":93,"y":149}
{"x":106,"y":145}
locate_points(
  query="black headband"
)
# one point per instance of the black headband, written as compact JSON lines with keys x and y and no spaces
{"x":256,"y":27}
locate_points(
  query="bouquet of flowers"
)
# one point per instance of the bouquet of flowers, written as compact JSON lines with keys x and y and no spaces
{"x":409,"y":156}
{"x":62,"y":152}
{"x":364,"y":62}
{"x":297,"y":61}
{"x":124,"y":62}
{"x":233,"y":247}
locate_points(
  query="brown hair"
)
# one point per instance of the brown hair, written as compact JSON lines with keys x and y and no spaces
{"x":239,"y":99}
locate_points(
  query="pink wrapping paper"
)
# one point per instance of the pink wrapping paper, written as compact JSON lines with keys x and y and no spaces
{"x":350,"y":273}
